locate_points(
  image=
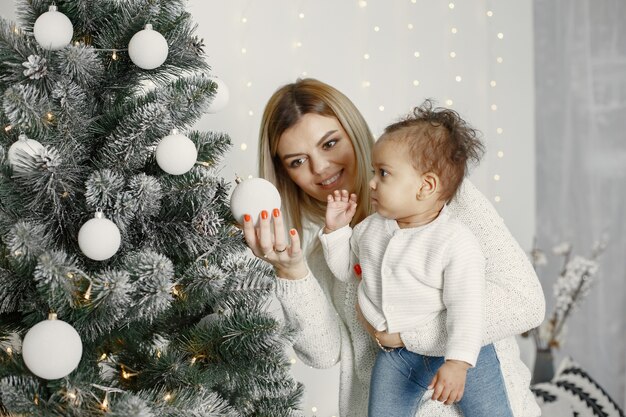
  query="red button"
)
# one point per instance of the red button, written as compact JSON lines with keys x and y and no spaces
{"x":357,"y":269}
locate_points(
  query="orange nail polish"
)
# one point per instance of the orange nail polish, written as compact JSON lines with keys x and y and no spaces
{"x":264,"y":214}
{"x":292,"y":232}
{"x":276,"y":212}
{"x":246,"y":218}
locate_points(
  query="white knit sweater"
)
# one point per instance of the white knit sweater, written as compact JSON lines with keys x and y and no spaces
{"x":323,"y":308}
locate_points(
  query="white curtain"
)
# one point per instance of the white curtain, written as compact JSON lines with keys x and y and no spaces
{"x":580,"y":78}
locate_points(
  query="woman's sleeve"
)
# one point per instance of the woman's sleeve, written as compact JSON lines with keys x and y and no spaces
{"x":514,"y":298}
{"x":308,"y":309}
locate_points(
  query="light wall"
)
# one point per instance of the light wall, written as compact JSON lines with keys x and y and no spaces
{"x":387,"y":56}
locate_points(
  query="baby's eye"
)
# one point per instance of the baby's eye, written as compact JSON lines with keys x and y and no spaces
{"x":329,"y":144}
{"x":296,"y":162}
{"x":383,"y":173}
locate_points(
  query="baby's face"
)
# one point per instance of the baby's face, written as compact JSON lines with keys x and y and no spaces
{"x":396,"y":182}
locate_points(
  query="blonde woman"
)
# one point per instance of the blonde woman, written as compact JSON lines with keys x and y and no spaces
{"x":313,"y":140}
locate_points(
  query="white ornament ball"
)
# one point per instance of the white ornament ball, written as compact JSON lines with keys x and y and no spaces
{"x":147,"y":48}
{"x":252,"y":196}
{"x":53,"y":30}
{"x":221,"y":97}
{"x":23,"y":144}
{"x":99,"y":238}
{"x":176,"y":154}
{"x":52,"y":349}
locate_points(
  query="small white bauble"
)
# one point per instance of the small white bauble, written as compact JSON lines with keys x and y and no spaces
{"x":52,"y":348}
{"x":253,"y":196}
{"x":148,"y":48}
{"x":99,"y":238}
{"x":221,"y":97}
{"x":53,"y":30}
{"x":176,"y":154}
{"x":23,"y":144}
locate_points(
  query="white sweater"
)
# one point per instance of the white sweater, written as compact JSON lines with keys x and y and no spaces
{"x":411,"y":275}
{"x":323,"y":308}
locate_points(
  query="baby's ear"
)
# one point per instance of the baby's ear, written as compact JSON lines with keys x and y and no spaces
{"x":429,"y":185}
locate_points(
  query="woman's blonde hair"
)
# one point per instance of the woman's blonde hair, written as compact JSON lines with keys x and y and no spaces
{"x":283,"y":110}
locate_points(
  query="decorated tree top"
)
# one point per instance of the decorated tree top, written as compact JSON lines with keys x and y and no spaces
{"x":131,"y":246}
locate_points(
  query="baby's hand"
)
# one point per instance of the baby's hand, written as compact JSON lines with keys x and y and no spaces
{"x":449,"y":382}
{"x":339,"y":210}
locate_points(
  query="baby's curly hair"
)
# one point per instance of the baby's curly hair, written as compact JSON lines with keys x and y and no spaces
{"x":439,"y":141}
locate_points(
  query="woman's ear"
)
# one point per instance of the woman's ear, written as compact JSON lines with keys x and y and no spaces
{"x":429,"y":185}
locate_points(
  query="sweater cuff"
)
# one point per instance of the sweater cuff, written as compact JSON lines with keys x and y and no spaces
{"x":462,"y":355}
{"x":335,"y":238}
{"x":289,"y":287}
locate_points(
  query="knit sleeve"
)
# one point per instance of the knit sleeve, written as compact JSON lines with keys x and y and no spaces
{"x":513,"y":295}
{"x":308,"y":309}
{"x":336,"y":246}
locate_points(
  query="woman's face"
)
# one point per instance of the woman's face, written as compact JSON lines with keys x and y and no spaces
{"x":318,"y":156}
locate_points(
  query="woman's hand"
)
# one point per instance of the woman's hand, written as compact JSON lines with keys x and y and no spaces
{"x":270,"y":245}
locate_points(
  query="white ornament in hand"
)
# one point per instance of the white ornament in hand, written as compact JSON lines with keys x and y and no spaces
{"x":99,"y":238}
{"x":176,"y":154}
{"x":52,"y":349}
{"x":53,"y":30}
{"x":147,"y":48}
{"x":253,"y":196}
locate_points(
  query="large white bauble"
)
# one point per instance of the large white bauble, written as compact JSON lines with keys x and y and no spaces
{"x":221,"y":97}
{"x":147,"y":48}
{"x":99,"y":238}
{"x":252,"y":196}
{"x":52,"y":349}
{"x":29,"y":146}
{"x":176,"y":154}
{"x":53,"y":30}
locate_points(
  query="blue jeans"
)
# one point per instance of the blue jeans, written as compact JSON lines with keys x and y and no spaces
{"x":400,"y":378}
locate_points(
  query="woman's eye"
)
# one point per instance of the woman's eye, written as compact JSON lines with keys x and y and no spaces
{"x":296,"y":163}
{"x":329,"y":144}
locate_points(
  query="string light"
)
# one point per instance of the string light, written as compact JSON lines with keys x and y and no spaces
{"x":494,"y":107}
{"x":244,"y":146}
{"x":167,"y":397}
{"x":410,"y":26}
{"x":416,"y":83}
{"x":452,"y":54}
{"x":492,"y":83}
{"x":244,"y":20}
{"x":458,"y":78}
{"x":499,"y":60}
{"x":10,"y":351}
{"x":250,"y":113}
{"x":292,"y":360}
{"x":496,"y":177}
{"x":104,"y":406}
{"x":500,"y":35}
{"x":362,"y":3}
{"x":76,"y":43}
{"x":376,"y":29}
{"x":451,"y":6}
{"x":449,"y":102}
{"x":298,"y":44}
{"x":102,"y":357}
{"x":243,"y":50}
{"x":50,"y":116}
{"x":249,"y":84}
{"x":314,"y":409}
{"x":249,"y":176}
{"x":8,"y":128}
{"x":366,"y":56}
{"x":301,"y":15}
{"x":489,"y":13}
{"x":114,"y":56}
{"x":499,"y":131}
{"x":366,"y":84}
{"x":500,"y":154}
{"x":454,"y":31}
{"x":381,"y":108}
{"x":416,"y":54}
{"x":497,"y":199}
{"x":88,"y":292}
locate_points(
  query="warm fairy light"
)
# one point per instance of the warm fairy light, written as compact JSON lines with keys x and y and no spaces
{"x":292,"y":360}
{"x":497,"y":199}
{"x":314,"y":409}
{"x":243,"y":50}
{"x":500,"y":35}
{"x":376,"y":29}
{"x":76,"y":43}
{"x":500,"y":154}
{"x":499,"y":131}
{"x":494,"y":107}
{"x":17,"y":253}
{"x":458,"y":78}
{"x":8,"y":128}
{"x":167,"y":397}
{"x":362,"y":3}
{"x":452,"y":54}
{"x":492,"y":83}
{"x":451,"y":5}
{"x":10,"y":350}
{"x":250,"y":113}
{"x":449,"y":102}
{"x":416,"y":54}
{"x":410,"y":26}
{"x":114,"y":56}
{"x":496,"y":177}
{"x":103,"y":357}
{"x":413,"y":1}
{"x":177,"y":291}
{"x":500,"y":60}
{"x":366,"y":84}
{"x":489,"y":13}
{"x":49,"y":116}
{"x":69,"y":275}
{"x":244,"y":146}
{"x":193,"y":360}
{"x":301,"y":15}
{"x":454,"y":31}
{"x":249,"y":176}
{"x":366,"y":56}
{"x":88,"y":293}
{"x":381,"y":108}
{"x":416,"y":83}
{"x":104,"y":406}
{"x":249,"y":84}
{"x":244,"y":20}
{"x":71,"y":395}
{"x":304,"y":73}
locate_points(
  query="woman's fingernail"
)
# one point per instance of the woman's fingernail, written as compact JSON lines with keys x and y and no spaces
{"x":246,"y":218}
{"x":292,"y":232}
{"x":264,"y":214}
{"x":276,"y":212}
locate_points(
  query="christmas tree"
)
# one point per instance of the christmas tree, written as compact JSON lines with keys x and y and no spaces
{"x":119,"y":227}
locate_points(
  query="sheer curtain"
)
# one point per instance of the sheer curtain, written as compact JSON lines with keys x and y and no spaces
{"x":580,"y":70}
